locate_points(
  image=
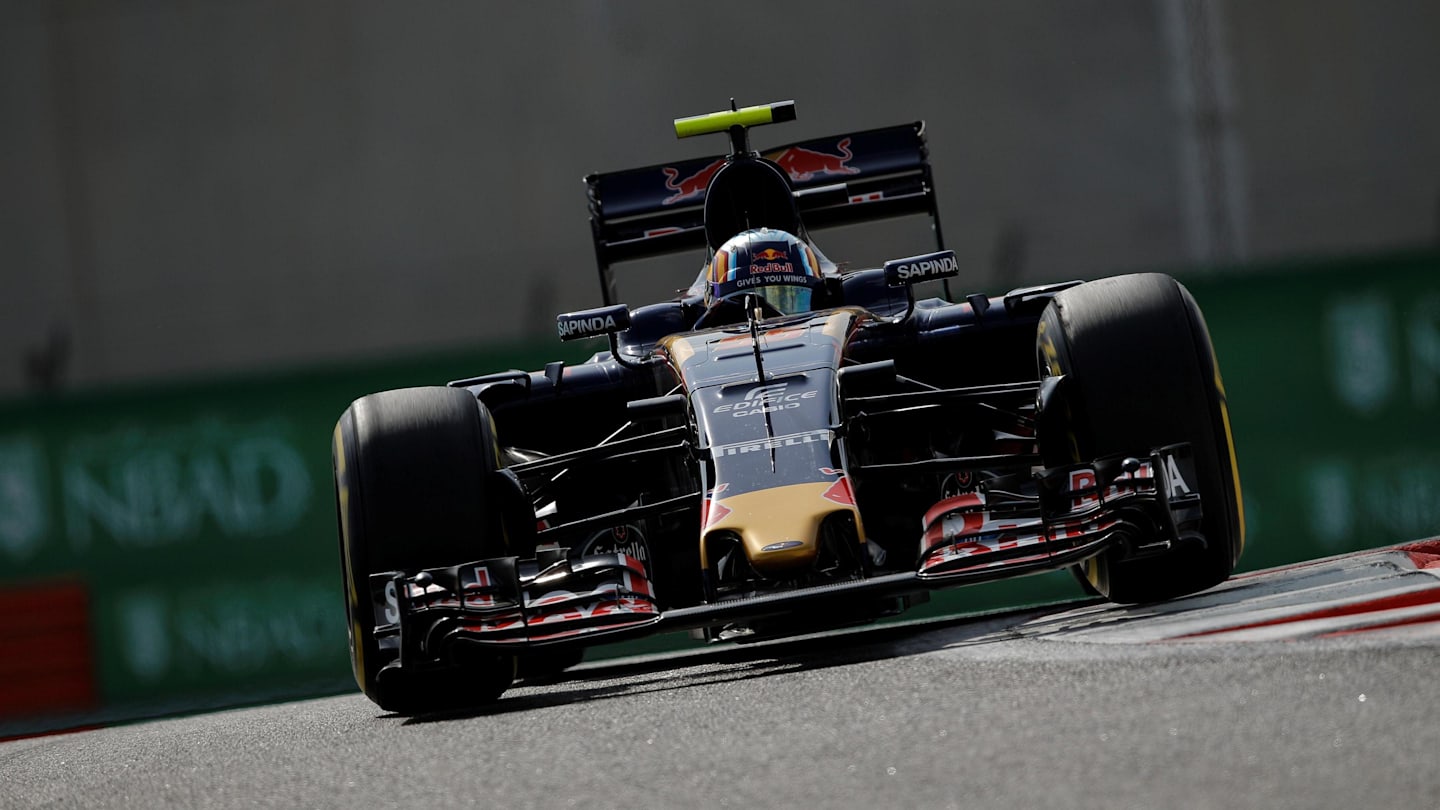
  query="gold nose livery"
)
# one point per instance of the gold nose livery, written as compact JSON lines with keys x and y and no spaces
{"x":780,"y":527}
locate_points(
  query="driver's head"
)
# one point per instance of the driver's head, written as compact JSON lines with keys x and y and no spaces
{"x":773,"y":265}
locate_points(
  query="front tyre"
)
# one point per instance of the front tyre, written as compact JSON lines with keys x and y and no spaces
{"x":1141,"y":373}
{"x":414,"y":484}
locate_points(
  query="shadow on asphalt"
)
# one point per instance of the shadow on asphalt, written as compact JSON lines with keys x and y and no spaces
{"x":730,"y":662}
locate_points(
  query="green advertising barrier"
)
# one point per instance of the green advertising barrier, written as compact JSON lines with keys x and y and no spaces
{"x":200,"y":521}
{"x":1333,"y":376}
{"x":200,"y":518}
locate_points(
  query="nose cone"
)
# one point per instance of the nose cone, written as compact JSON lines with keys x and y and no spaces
{"x":779,"y":527}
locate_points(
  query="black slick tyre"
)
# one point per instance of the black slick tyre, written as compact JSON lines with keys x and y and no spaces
{"x":414,"y":472}
{"x":1141,"y":373}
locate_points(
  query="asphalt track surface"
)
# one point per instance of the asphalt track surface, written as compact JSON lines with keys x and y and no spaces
{"x":1311,"y":686}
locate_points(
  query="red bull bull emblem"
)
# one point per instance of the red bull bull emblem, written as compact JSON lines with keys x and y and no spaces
{"x":770,"y":260}
{"x":803,"y":164}
{"x":690,"y":187}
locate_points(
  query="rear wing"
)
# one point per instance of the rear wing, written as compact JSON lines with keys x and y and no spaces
{"x":839,"y":180}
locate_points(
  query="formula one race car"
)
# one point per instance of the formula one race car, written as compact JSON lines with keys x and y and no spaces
{"x":785,"y":447}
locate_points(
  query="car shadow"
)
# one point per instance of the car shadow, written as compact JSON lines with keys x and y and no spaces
{"x":731,"y":662}
{"x":1232,"y":601}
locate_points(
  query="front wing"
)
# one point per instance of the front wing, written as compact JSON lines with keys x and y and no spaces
{"x":1016,"y":526}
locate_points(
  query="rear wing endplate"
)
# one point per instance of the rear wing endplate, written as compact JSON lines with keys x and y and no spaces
{"x":838,"y":180}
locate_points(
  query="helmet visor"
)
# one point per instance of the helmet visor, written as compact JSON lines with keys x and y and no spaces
{"x":788,"y":299}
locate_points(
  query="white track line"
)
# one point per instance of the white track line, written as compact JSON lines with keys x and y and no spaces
{"x":1361,"y":592}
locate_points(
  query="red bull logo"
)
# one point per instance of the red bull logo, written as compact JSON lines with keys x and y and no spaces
{"x":769,"y":255}
{"x":803,"y":164}
{"x":771,"y":267}
{"x":689,"y":187}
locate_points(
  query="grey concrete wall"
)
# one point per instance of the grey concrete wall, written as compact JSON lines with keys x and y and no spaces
{"x":197,"y":188}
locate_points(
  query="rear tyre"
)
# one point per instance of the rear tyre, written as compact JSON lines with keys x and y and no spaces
{"x":1141,"y":373}
{"x":414,"y":483}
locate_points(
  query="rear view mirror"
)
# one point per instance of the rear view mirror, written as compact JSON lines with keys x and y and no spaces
{"x":593,"y":322}
{"x":926,"y":267}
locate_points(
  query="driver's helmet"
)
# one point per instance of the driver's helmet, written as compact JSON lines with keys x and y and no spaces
{"x":773,"y":265}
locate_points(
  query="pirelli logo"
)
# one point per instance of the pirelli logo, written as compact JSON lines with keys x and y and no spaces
{"x":775,"y":443}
